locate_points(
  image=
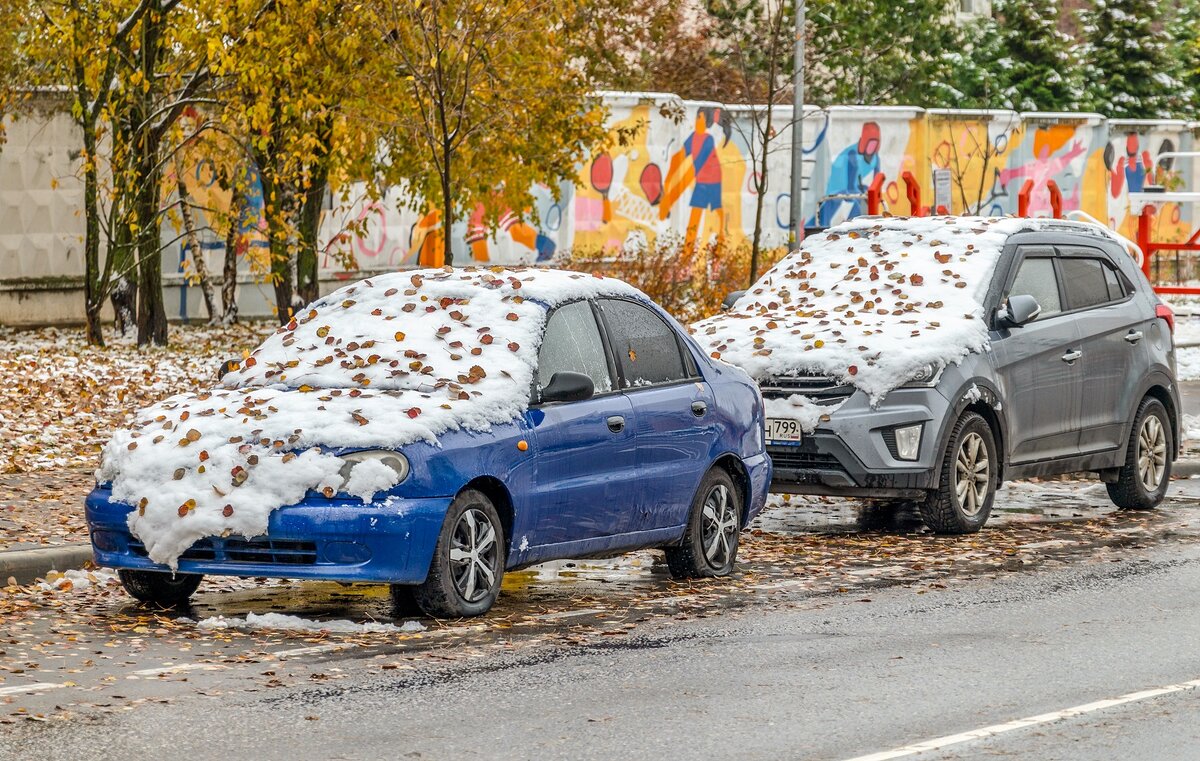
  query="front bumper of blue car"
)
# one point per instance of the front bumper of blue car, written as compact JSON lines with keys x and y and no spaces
{"x":390,"y":540}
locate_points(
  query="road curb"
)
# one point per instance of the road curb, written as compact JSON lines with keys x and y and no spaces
{"x":28,"y":565}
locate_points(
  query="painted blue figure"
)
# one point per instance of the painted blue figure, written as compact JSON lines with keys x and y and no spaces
{"x":851,"y":175}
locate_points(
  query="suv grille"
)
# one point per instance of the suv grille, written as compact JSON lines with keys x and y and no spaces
{"x":820,"y":388}
{"x":790,"y":457}
{"x":239,"y":550}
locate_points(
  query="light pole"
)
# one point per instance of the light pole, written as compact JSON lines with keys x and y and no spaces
{"x":796,"y":232}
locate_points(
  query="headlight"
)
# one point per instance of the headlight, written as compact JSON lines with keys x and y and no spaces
{"x":908,"y":441}
{"x":394,"y":460}
{"x":926,"y":377}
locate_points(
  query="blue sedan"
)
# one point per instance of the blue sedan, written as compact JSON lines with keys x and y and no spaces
{"x":627,"y":436}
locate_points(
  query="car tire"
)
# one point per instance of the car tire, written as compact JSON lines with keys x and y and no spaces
{"x":709,"y":546}
{"x":404,"y":601}
{"x":967,"y":481}
{"x":1143,"y":480}
{"x":158,"y":587}
{"x":468,"y":562}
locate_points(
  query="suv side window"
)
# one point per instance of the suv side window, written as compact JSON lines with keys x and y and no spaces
{"x":1038,"y":278}
{"x":645,"y":346}
{"x":1090,"y":282}
{"x":572,"y":343}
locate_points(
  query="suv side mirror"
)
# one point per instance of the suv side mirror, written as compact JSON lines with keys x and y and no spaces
{"x":1021,"y":310}
{"x":731,"y":299}
{"x":568,"y":387}
{"x":226,"y":367}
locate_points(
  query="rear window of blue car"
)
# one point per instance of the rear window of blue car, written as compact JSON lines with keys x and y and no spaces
{"x":645,"y":346}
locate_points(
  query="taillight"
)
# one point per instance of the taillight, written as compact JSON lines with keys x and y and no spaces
{"x":1163,"y":312}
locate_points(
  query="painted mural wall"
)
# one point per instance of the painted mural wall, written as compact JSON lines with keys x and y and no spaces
{"x":690,"y":175}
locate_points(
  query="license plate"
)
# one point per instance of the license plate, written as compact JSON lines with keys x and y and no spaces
{"x":782,"y":429}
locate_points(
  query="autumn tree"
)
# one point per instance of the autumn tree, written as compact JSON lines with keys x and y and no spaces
{"x":283,"y":95}
{"x":492,"y":101}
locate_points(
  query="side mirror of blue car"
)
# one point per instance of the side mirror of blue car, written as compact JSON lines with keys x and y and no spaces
{"x":226,"y":367}
{"x":568,"y":387}
{"x":731,"y":299}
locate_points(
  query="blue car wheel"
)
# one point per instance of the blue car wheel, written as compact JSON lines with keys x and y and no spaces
{"x":709,"y":548}
{"x":159,"y":588}
{"x":468,"y":562}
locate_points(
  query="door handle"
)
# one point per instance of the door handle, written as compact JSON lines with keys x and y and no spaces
{"x":1072,"y":355}
{"x":1133,"y":336}
{"x":616,"y":424}
{"x":699,"y":408}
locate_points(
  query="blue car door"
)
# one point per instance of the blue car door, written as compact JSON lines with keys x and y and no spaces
{"x":584,"y":449}
{"x":672,"y":407}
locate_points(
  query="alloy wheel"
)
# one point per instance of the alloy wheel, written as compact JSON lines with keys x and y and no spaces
{"x":973,"y":472}
{"x":720,"y":526}
{"x":1151,"y":452}
{"x":473,"y":550}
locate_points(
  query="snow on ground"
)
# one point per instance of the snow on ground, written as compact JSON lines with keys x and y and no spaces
{"x":870,"y":302}
{"x":388,"y":361}
{"x":284,"y":621}
{"x":1187,"y":363}
{"x":76,"y":580}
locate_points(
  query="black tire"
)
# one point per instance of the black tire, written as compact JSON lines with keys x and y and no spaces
{"x":404,"y":602}
{"x":709,"y":546}
{"x":159,"y":588}
{"x":448,"y":592}
{"x":962,"y":506}
{"x":1131,"y":491}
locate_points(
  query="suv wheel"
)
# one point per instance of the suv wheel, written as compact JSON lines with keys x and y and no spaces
{"x":709,"y":548}
{"x":1143,"y":480}
{"x":967,"y":485}
{"x":468,"y":562}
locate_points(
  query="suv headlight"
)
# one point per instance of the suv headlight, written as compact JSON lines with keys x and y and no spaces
{"x":394,"y":460}
{"x":926,"y":377}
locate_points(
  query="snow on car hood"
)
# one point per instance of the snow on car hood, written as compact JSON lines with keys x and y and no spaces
{"x":870,"y":302}
{"x":384,"y":362}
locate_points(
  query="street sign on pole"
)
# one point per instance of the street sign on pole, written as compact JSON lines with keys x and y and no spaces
{"x":796,"y":223}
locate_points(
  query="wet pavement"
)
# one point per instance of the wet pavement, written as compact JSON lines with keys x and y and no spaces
{"x":88,"y":650}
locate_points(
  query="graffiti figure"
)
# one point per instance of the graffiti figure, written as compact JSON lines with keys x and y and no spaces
{"x":520,"y":231}
{"x":1129,"y":171}
{"x":849,"y":178}
{"x":698,"y":165}
{"x":1045,"y":167}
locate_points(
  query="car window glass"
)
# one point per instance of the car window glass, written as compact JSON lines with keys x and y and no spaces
{"x":572,"y":343}
{"x":1085,"y":280}
{"x":645,"y":346}
{"x":1036,"y":278}
{"x":1116,"y":288}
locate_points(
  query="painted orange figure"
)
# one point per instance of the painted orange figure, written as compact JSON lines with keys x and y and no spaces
{"x":698,"y":165}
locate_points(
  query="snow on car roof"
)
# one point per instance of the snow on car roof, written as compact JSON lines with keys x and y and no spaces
{"x":869,"y":302}
{"x":384,"y":362}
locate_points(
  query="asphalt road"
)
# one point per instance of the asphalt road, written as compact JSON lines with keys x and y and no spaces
{"x":811,"y":676}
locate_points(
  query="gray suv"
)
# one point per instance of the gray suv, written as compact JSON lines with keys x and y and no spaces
{"x":1078,"y":375}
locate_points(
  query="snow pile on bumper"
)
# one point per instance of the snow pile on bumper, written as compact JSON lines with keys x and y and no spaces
{"x":870,"y":302}
{"x":381,"y":363}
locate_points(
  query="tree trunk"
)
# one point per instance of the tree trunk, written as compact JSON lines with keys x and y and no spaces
{"x":308,"y":285}
{"x":447,"y":209}
{"x":229,"y":307}
{"x":152,"y":315}
{"x":193,"y":243}
{"x":92,"y":288}
{"x":761,"y":187}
